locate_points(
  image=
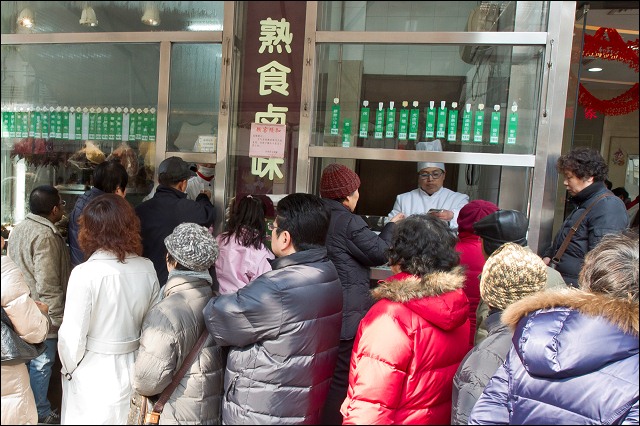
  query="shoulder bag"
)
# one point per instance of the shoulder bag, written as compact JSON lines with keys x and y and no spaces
{"x":14,"y":349}
{"x":556,"y":258}
{"x":153,"y":418}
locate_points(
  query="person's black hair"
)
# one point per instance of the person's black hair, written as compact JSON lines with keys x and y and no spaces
{"x":609,"y":184}
{"x":177,"y":265}
{"x":584,"y":163}
{"x":109,"y":176}
{"x":43,"y":199}
{"x":621,"y":191}
{"x":306,"y":219}
{"x":246,"y":222}
{"x":635,"y":222}
{"x":423,"y":244}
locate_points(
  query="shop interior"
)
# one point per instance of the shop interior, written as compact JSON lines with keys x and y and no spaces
{"x":41,"y":73}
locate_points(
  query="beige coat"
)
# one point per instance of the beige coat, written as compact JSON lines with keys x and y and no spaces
{"x":18,"y":405}
{"x":42,"y":255}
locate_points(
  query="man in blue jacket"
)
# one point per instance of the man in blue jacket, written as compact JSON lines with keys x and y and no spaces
{"x":168,"y":208}
{"x":109,"y":177}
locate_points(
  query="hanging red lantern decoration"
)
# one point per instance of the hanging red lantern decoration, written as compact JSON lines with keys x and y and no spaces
{"x":612,"y":48}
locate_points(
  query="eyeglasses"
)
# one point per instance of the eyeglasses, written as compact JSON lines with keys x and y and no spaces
{"x":435,"y":175}
{"x":272,"y":227}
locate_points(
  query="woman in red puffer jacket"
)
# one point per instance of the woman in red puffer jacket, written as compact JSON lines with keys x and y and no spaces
{"x":410,"y":343}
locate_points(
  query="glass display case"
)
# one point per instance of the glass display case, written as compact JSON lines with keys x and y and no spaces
{"x":60,"y":121}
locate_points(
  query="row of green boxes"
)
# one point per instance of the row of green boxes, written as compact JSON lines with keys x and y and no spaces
{"x":114,"y":123}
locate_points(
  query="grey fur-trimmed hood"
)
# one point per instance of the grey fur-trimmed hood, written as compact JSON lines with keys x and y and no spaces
{"x":623,"y":314}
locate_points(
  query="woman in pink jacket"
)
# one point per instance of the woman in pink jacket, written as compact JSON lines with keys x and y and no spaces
{"x":412,"y":340}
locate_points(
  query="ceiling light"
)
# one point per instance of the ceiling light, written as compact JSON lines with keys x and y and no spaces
{"x":204,"y":27}
{"x":88,"y":17}
{"x":25,"y":18}
{"x":151,"y":16}
{"x":595,"y":69}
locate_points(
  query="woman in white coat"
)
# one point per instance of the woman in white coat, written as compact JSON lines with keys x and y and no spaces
{"x":107,"y":299}
{"x":32,"y":324}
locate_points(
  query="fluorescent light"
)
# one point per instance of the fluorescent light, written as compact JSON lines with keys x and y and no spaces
{"x":204,"y":27}
{"x":595,"y":69}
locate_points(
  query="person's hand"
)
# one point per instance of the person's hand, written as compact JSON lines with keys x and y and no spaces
{"x":43,"y":307}
{"x":546,"y":260}
{"x":446,"y":215}
{"x":397,"y":218}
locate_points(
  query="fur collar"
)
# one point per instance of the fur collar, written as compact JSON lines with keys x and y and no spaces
{"x":622,"y":313}
{"x":414,"y":287}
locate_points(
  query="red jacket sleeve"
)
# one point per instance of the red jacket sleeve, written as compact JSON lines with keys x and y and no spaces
{"x":381,"y":357}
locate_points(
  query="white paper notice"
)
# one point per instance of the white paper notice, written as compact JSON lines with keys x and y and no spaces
{"x":267,"y":140}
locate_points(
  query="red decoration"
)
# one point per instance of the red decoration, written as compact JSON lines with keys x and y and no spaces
{"x":589,"y":114}
{"x":613,"y":48}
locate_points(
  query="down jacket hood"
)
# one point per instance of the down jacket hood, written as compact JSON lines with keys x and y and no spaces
{"x":447,"y":312}
{"x":546,"y":322}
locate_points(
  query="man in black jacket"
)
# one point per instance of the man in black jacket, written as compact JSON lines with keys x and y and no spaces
{"x":168,"y":208}
{"x":354,"y":249}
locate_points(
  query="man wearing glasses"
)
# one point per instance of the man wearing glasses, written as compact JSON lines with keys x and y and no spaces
{"x":41,"y":253}
{"x":430,"y":196}
{"x":284,"y":327}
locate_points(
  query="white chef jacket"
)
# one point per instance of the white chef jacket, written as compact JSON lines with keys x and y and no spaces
{"x":196,"y":184}
{"x":419,"y":202}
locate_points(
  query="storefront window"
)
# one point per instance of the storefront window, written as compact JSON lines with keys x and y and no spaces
{"x":110,"y":16}
{"x":430,"y":16}
{"x":473,"y":98}
{"x":393,"y":74}
{"x":67,"y":108}
{"x":194,"y":98}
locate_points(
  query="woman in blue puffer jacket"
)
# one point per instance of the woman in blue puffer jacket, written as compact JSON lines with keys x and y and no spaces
{"x":574,"y":358}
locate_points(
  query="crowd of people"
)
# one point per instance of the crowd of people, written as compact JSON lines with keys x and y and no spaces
{"x":147,"y":308}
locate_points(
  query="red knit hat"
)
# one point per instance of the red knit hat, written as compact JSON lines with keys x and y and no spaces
{"x":338,"y":182}
{"x":473,"y":212}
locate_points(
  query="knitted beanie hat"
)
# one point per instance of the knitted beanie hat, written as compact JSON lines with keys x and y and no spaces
{"x":511,"y":273}
{"x":338,"y":182}
{"x":473,"y":212}
{"x":192,"y":246}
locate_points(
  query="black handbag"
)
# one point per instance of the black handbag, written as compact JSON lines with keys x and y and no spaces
{"x":14,"y":349}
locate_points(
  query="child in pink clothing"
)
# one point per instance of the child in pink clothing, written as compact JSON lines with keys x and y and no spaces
{"x":243,"y":254}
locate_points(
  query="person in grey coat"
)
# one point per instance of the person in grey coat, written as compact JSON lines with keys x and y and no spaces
{"x":173,"y":326}
{"x":283,"y":327}
{"x":509,"y":274}
{"x":41,"y":254}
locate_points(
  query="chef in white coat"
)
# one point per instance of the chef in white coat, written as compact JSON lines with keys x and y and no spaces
{"x":431,"y":196}
{"x":202,"y":181}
